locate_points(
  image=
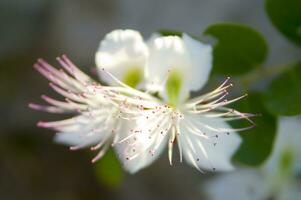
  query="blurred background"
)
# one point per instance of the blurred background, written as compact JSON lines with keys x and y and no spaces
{"x":31,"y":165}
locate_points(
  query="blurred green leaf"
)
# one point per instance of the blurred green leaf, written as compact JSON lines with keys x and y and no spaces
{"x":239,"y":48}
{"x":167,"y":32}
{"x":108,"y":170}
{"x":13,"y":73}
{"x":283,"y":96}
{"x":257,"y":142}
{"x":286,"y":16}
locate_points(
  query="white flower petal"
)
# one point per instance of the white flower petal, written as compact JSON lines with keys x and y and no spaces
{"x":200,"y":57}
{"x":144,"y":156}
{"x":209,"y":153}
{"x":165,"y":53}
{"x":143,"y":147}
{"x":292,"y":191}
{"x":288,"y":139}
{"x":151,"y":39}
{"x":243,"y":184}
{"x":83,"y":131}
{"x":76,"y":138}
{"x":191,"y":58}
{"x":120,"y":51}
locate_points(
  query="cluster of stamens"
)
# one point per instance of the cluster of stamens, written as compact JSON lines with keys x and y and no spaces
{"x":101,"y":110}
{"x":164,"y":120}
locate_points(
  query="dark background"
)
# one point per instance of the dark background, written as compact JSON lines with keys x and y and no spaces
{"x":31,"y":165}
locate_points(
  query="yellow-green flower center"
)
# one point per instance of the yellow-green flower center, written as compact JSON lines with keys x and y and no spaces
{"x":133,"y":76}
{"x":173,"y":87}
{"x":286,"y":161}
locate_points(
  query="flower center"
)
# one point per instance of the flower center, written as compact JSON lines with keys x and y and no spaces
{"x":133,"y":76}
{"x":286,"y":161}
{"x":173,"y":87}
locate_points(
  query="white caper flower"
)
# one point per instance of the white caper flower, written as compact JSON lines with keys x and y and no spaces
{"x":141,"y":124}
{"x":276,"y":179}
{"x":198,"y":126}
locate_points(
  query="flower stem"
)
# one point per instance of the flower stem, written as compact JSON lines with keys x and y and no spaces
{"x":260,"y":74}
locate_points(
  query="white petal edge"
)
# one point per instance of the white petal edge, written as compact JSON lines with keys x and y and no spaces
{"x":84,"y":131}
{"x":288,"y":138}
{"x":202,"y":153}
{"x":200,"y":57}
{"x":76,"y":138}
{"x":246,"y":184}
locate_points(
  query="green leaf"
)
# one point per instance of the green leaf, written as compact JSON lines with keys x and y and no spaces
{"x":167,"y":32}
{"x":286,"y":16}
{"x":108,"y":170}
{"x":238,"y":50}
{"x":283,"y":95}
{"x":257,"y":142}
